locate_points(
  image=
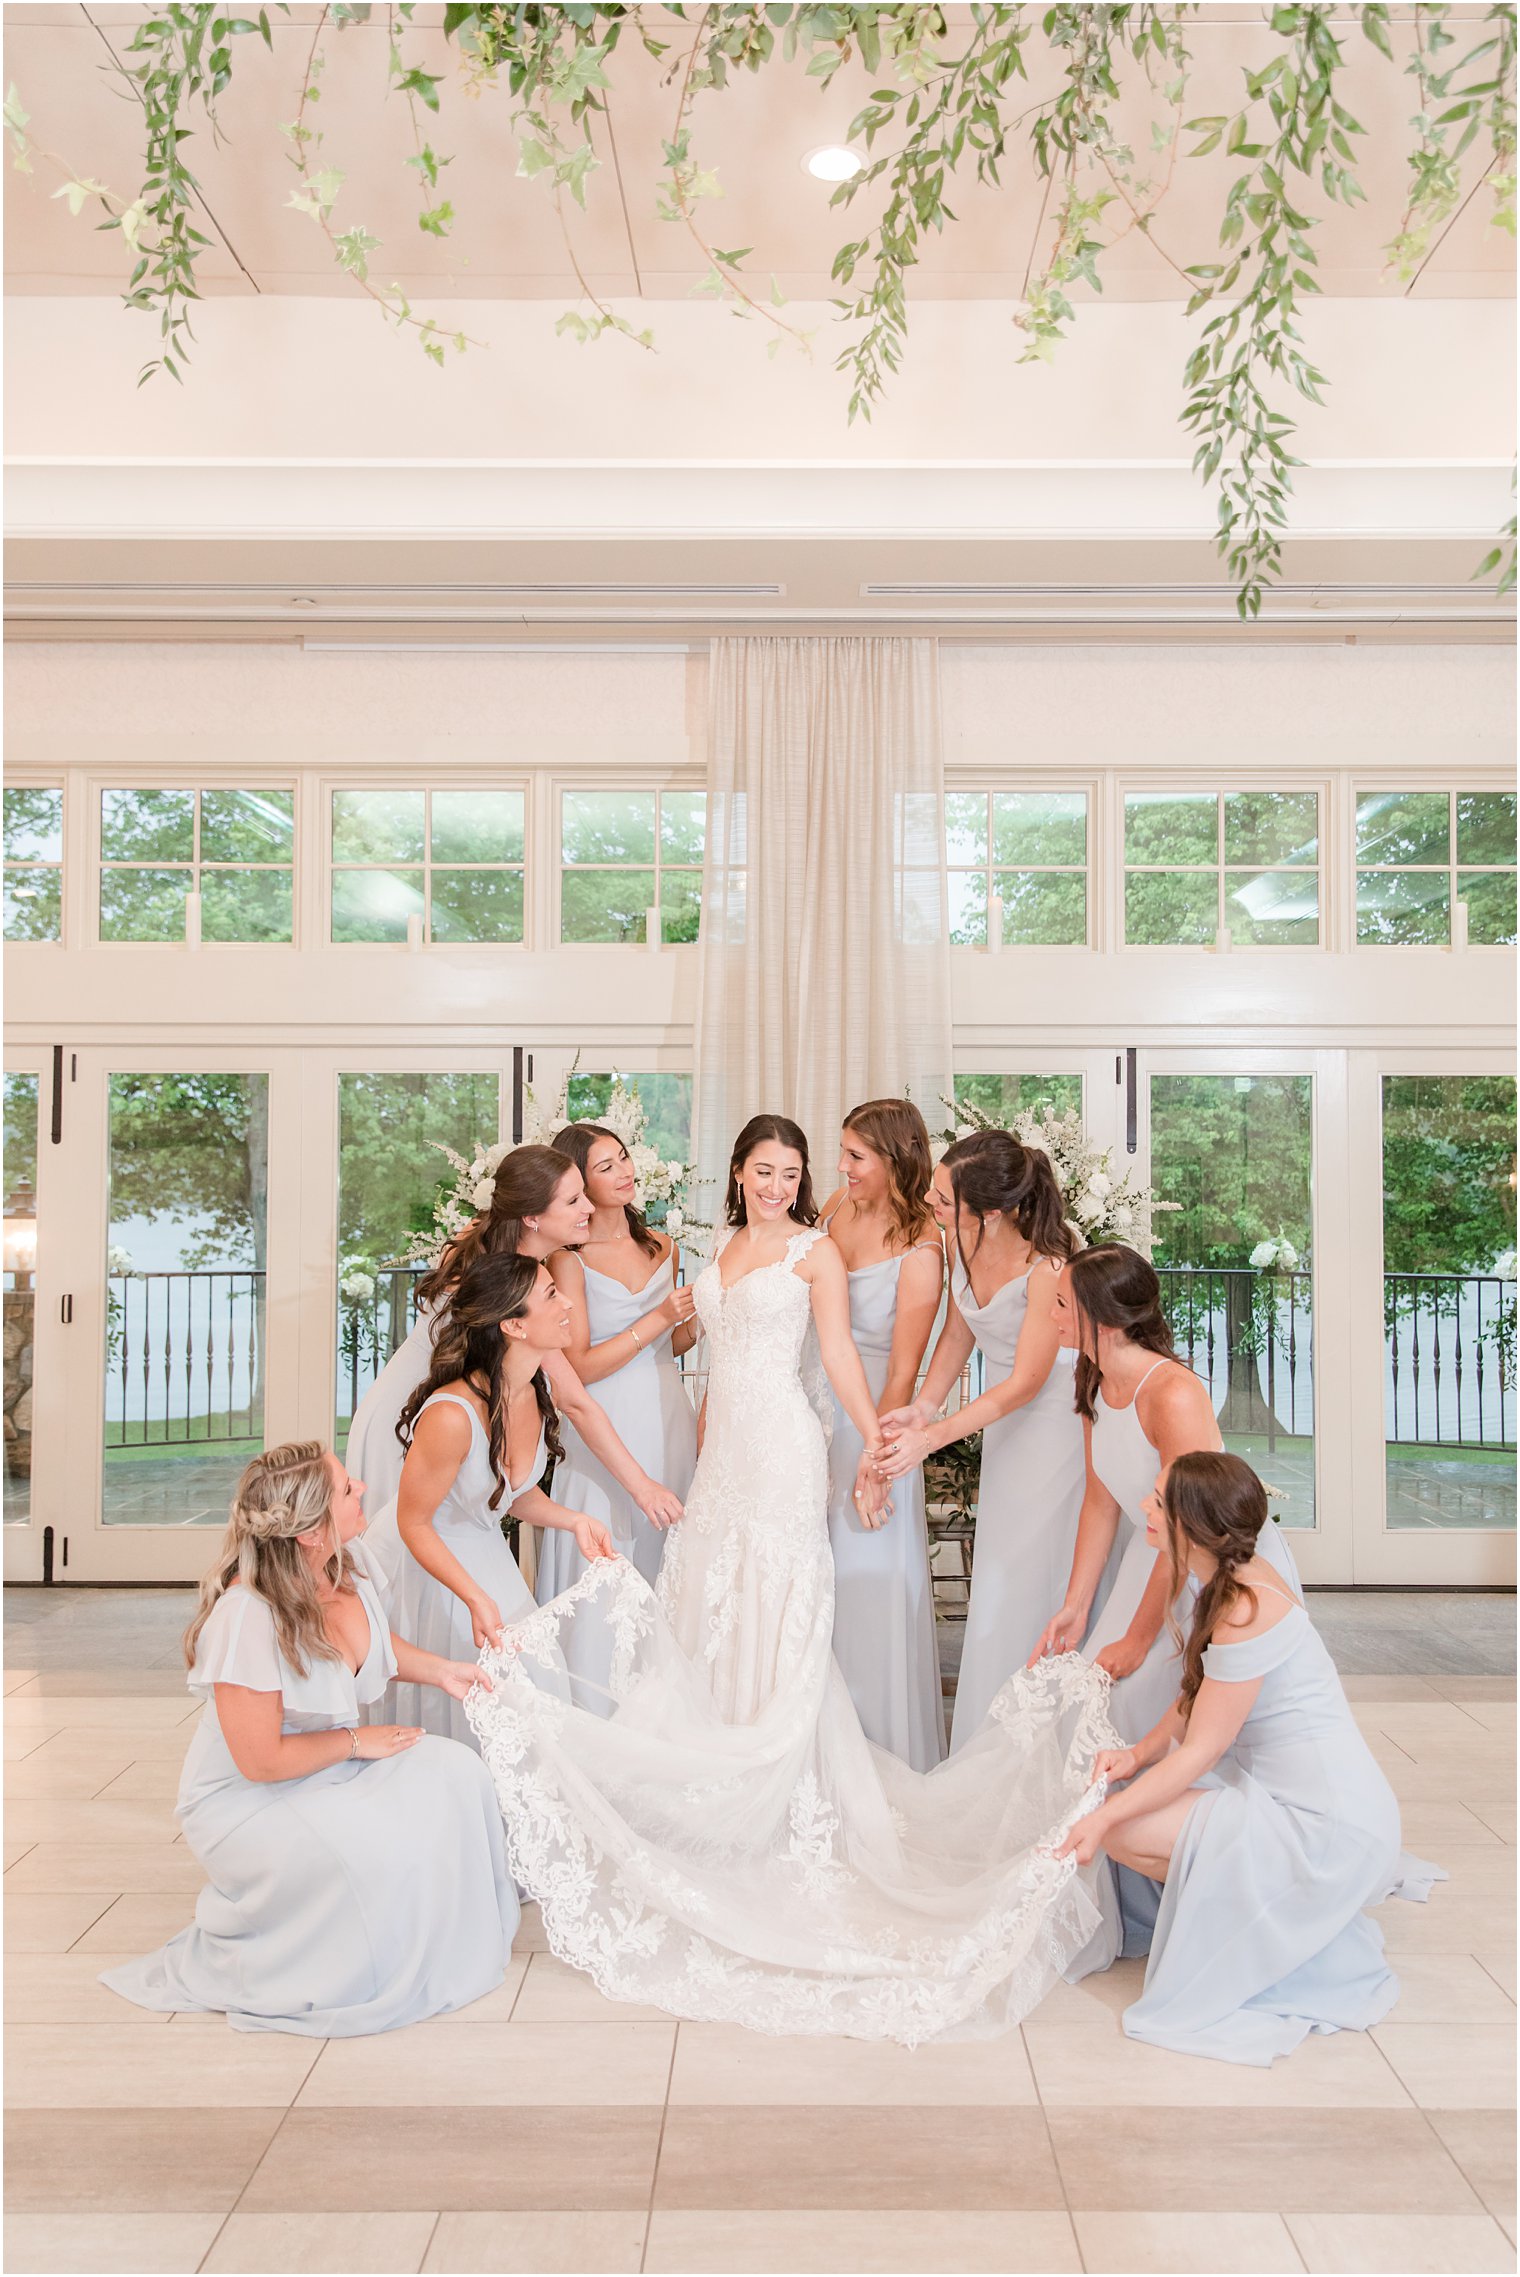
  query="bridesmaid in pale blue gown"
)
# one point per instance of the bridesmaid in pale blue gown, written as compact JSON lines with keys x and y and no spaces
{"x":1255,"y":1801}
{"x":630,"y":1320}
{"x":1141,"y":1408}
{"x":1000,"y":1207}
{"x":357,"y":1873}
{"x":538,"y":1205}
{"x":482,"y":1426}
{"x":884,"y":1636}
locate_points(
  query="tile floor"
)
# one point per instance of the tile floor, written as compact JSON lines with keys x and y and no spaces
{"x":547,"y":2129}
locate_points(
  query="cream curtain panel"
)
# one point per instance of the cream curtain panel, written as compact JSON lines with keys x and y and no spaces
{"x":824,"y":961}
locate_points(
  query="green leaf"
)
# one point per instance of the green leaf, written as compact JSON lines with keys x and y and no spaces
{"x":78,"y":191}
{"x":437,"y":222}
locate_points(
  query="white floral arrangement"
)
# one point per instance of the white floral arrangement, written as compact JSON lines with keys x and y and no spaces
{"x":659,"y":1184}
{"x":118,"y":1261}
{"x":1102,"y":1204}
{"x":1275,"y":1255}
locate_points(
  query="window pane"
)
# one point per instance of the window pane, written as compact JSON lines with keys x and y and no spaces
{"x":147,"y":826}
{"x":680,"y":904}
{"x":33,"y":826}
{"x":377,"y":826}
{"x":1490,"y":899}
{"x":248,"y":826}
{"x":21,"y":1110}
{"x":1271,"y":826}
{"x":389,"y":1177}
{"x":374,"y":905}
{"x":1403,"y":826}
{"x":477,"y":905}
{"x":1486,"y":826}
{"x":185,"y":1349}
{"x":33,"y":905}
{"x":683,"y":826}
{"x":1262,"y":907}
{"x":1236,"y":1152}
{"x":143,"y":905}
{"x":1449,"y":1300}
{"x":966,"y":827}
{"x":1039,"y":826}
{"x":968,"y":908}
{"x":607,"y":826}
{"x":665,"y":1099}
{"x":1171,"y":826}
{"x":1004,"y":1096}
{"x":1161,"y":908}
{"x":1390,"y":908}
{"x":477,"y":826}
{"x":245,"y":905}
{"x":1042,"y":907}
{"x":917,"y":829}
{"x":604,"y":905}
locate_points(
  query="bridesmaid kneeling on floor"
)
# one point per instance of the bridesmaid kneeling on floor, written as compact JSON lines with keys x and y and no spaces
{"x":358,"y":1878}
{"x":1255,"y":1801}
{"x":481,"y":1427}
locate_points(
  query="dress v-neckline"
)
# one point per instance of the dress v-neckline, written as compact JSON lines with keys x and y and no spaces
{"x":623,"y":1285}
{"x":727,"y":1287}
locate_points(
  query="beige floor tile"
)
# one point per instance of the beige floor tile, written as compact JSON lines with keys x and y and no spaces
{"x":790,"y":2157}
{"x":113,"y":1683}
{"x":1448,"y":1924}
{"x":1501,"y":1967}
{"x":63,"y":1988}
{"x":81,"y":1820}
{"x":1114,"y":2160}
{"x":15,"y":1678}
{"x":136,"y":1868}
{"x":115,"y":2245}
{"x":270,"y":2245}
{"x":120,"y":2067}
{"x":722,"y":2063}
{"x":1361,"y":1689}
{"x":554,"y":1993}
{"x":156,"y":1780}
{"x":48,"y":1777}
{"x":783,"y":2243}
{"x":530,"y":1936}
{"x":1339,"y":2071}
{"x":117,"y":1713}
{"x":1411,"y":1723}
{"x":1404,"y":2245}
{"x":1096,"y":2003}
{"x":135,"y":1743}
{"x":15,"y":1851}
{"x":1483,"y":2145}
{"x":536,"y":2245}
{"x":1233,"y":2243}
{"x":1502,"y":1822}
{"x":138,"y":2162}
{"x":1431,"y":1829}
{"x":48,"y":1924}
{"x":1480,"y":1870}
{"x":1453,"y":2066}
{"x":19,"y":1744}
{"x":1449,"y":1988}
{"x":589,"y":2160}
{"x":1494,"y":1715}
{"x":497,"y":2006}
{"x":563,"y":2064}
{"x":135,"y":1924}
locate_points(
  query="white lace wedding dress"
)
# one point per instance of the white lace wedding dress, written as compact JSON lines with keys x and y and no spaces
{"x":726,"y":1844}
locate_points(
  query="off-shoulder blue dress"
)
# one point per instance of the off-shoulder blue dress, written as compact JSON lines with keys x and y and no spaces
{"x":1260,"y":1938}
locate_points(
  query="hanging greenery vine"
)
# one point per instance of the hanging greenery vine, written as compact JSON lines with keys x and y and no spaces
{"x":948,"y":103}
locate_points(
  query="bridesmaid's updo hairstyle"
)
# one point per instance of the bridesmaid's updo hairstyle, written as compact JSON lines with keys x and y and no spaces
{"x":470,"y":1348}
{"x":576,"y":1142}
{"x":772,"y":1130}
{"x":1214,"y":1502}
{"x":285,"y":1492}
{"x":1113,"y":1286}
{"x":894,"y":1129}
{"x":526,"y":1183}
{"x":992,"y":1170}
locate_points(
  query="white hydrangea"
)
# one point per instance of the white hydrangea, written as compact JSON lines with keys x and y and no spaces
{"x":357,"y":1288}
{"x":481,"y":1193}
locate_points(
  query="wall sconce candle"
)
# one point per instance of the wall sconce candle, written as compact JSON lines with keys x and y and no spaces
{"x":1224,"y":940}
{"x":995,"y":925}
{"x":652,"y":934}
{"x":1459,"y":924}
{"x":192,"y":921}
{"x":414,"y":932}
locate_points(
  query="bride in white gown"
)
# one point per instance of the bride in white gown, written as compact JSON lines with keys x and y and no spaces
{"x":726,"y":1843}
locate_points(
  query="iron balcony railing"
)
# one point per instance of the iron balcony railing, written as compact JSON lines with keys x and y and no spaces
{"x":184,"y":1358}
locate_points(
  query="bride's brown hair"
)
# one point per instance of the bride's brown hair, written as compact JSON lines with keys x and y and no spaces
{"x":470,"y":1348}
{"x":780,"y":1130}
{"x":1216,"y":1502}
{"x":526,"y":1182}
{"x":894,"y":1129}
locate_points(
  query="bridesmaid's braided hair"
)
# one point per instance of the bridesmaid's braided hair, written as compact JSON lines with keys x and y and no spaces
{"x":526,"y":1182}
{"x":1216,"y":1502}
{"x":575,"y":1142}
{"x":283,"y":1493}
{"x":992,"y":1170}
{"x":774,"y":1130}
{"x":1113,"y":1286}
{"x":469,"y":1348}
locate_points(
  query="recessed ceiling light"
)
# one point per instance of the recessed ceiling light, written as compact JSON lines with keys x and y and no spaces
{"x":833,"y":163}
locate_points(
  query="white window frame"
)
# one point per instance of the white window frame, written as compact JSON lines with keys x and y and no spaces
{"x":657,"y":783}
{"x":1218,"y":787}
{"x":195,"y":780}
{"x":424,"y":781}
{"x":986,"y":785}
{"x":42,"y":781}
{"x":1364,"y":787}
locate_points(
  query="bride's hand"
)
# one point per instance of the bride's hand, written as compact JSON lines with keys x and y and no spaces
{"x":659,"y":1505}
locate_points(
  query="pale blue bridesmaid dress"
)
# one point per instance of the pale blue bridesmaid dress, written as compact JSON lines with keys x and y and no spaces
{"x":421,"y":1609}
{"x":649,"y":1408}
{"x":372,"y":1453}
{"x":1260,"y":1938}
{"x":353,"y":1900}
{"x":1028,"y":1503}
{"x":884,"y":1637}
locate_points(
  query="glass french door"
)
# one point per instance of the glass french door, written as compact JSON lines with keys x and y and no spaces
{"x":31,"y":1193}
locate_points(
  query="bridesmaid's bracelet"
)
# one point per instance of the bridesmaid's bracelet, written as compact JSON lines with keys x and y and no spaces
{"x":353,"y":1744}
{"x":638,"y":1341}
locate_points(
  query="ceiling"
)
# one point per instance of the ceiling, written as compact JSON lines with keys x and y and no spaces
{"x":508,"y":242}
